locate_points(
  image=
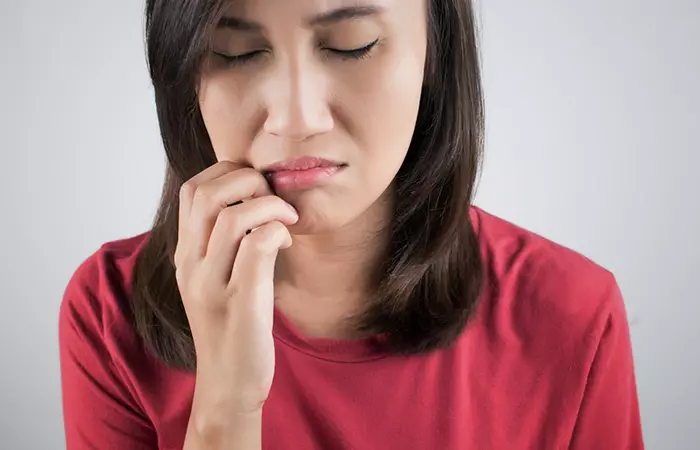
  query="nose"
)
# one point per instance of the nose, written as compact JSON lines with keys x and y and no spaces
{"x":297,"y":101}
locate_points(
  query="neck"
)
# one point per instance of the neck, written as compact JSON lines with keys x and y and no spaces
{"x":323,"y":279}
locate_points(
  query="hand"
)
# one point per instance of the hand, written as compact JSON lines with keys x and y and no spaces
{"x":225,"y":275}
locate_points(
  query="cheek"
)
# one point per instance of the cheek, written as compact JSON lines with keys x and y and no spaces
{"x":221,"y":106}
{"x":387,"y":110}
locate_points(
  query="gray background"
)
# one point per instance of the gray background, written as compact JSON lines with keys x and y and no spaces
{"x":593,"y":124}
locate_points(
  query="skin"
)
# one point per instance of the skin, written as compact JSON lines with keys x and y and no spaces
{"x":296,"y":98}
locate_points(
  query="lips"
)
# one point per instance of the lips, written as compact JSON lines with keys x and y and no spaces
{"x":301,"y":173}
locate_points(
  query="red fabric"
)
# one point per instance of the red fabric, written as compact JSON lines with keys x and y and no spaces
{"x":546,"y":364}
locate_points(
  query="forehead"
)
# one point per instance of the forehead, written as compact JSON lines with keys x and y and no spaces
{"x":279,"y":17}
{"x":305,"y":11}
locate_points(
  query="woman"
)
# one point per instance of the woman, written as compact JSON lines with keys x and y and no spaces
{"x":316,"y":277}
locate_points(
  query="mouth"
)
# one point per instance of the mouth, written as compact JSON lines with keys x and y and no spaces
{"x":301,"y":173}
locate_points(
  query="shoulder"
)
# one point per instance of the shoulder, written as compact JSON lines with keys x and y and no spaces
{"x":107,"y":273}
{"x":551,"y":333}
{"x":96,"y":302}
{"x":541,"y":290}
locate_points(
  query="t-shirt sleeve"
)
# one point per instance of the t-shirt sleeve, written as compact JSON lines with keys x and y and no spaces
{"x":99,"y":411}
{"x":609,"y":416}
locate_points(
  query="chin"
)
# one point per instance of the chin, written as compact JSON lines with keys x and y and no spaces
{"x":319,"y":211}
{"x":325,"y":211}
{"x":316,"y":219}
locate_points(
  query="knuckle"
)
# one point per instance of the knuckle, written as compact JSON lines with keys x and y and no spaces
{"x":185,"y":272}
{"x":230,"y":219}
{"x":276,"y":228}
{"x":178,"y":257}
{"x":187,"y":189}
{"x":202,"y":194}
{"x":180,"y":277}
{"x":251,"y":242}
{"x":266,"y":239}
{"x":180,"y":261}
{"x":262,"y":246}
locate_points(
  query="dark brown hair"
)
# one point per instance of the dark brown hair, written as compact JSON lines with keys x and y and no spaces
{"x":430,"y":282}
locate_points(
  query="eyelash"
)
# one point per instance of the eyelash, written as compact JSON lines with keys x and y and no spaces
{"x":356,"y":53}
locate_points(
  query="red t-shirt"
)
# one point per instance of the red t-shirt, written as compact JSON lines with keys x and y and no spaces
{"x":545,"y":364}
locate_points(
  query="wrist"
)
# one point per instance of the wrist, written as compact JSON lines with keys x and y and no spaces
{"x":218,"y":428}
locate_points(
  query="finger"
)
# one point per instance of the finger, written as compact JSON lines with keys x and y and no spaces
{"x":188,"y":189}
{"x":214,"y":196}
{"x":187,"y":193}
{"x":254,"y":267}
{"x":231,"y":227}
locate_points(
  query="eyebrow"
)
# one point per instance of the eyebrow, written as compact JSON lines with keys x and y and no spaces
{"x":327,"y":18}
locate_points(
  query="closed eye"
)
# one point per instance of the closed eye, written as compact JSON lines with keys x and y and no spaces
{"x":239,"y":59}
{"x":355,"y":53}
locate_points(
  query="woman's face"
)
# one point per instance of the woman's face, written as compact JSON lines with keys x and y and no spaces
{"x":291,"y":92}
